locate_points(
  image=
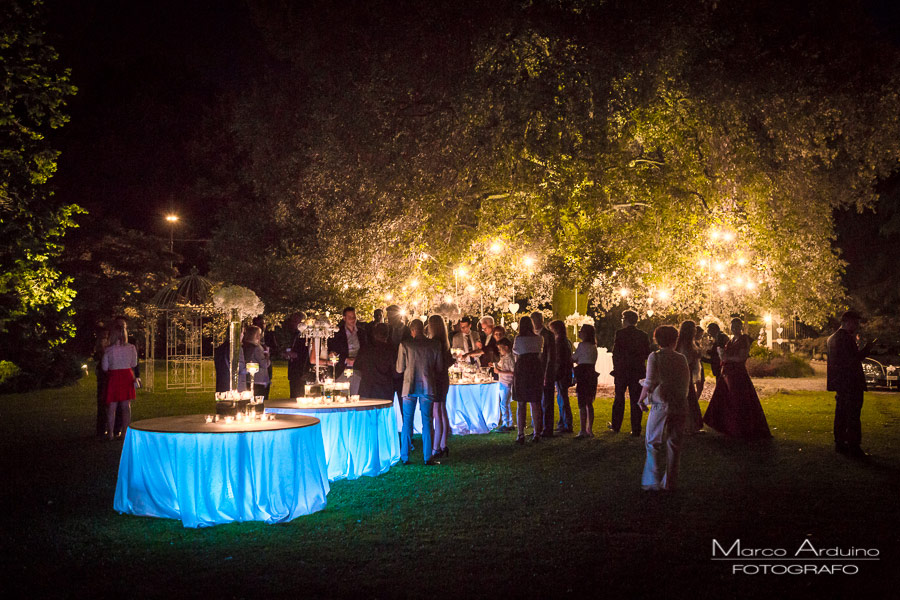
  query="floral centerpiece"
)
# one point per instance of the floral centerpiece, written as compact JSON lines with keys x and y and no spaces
{"x":232,"y":298}
{"x":576,"y":321}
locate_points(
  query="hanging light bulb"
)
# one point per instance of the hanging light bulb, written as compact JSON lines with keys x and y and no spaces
{"x":496,"y":247}
{"x":448,"y":299}
{"x":414,"y":283}
{"x":728,"y":236}
{"x":623,"y":292}
{"x":723,"y":288}
{"x":389,"y":296}
{"x":663,"y":294}
{"x":719,"y":266}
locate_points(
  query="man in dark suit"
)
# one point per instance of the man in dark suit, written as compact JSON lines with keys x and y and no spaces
{"x":297,"y":355}
{"x":548,"y":366}
{"x":348,"y":341}
{"x":847,"y":380}
{"x":630,"y":351}
{"x":397,"y":333}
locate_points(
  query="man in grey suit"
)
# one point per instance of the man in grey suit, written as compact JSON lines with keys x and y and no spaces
{"x":420,"y":360}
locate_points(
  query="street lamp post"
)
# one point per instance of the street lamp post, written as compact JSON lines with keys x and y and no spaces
{"x":172,"y":219}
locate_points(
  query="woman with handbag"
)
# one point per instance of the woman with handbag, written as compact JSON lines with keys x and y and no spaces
{"x":119,"y":361}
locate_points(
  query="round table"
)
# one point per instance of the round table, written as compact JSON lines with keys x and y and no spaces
{"x":471,"y":408}
{"x":359,"y":438}
{"x":211,"y":473}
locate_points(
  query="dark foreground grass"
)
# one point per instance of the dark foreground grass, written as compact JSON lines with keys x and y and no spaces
{"x":560,"y":518}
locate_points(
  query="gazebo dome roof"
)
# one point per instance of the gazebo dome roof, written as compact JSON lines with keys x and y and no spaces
{"x":192,"y":290}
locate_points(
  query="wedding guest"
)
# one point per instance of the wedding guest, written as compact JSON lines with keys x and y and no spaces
{"x":563,"y":376}
{"x":548,"y":367}
{"x":505,"y":371}
{"x":664,"y":395}
{"x":689,"y":350}
{"x":377,"y":317}
{"x":99,"y":348}
{"x":375,"y":364}
{"x":528,"y":379}
{"x":253,"y":352}
{"x":296,"y":354}
{"x":585,"y":359}
{"x":269,"y":344}
{"x":499,"y":333}
{"x":734,"y":408}
{"x":222,"y":364}
{"x":719,"y":341}
{"x":121,"y":321}
{"x":848,"y":381}
{"x":630,"y":350}
{"x":398,"y":332}
{"x":118,"y":362}
{"x":488,"y":353}
{"x":437,"y":331}
{"x":699,"y":335}
{"x":467,"y":340}
{"x":419,"y":360}
{"x":347,"y":342}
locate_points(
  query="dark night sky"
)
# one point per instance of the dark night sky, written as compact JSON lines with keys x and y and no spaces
{"x":148,"y":74}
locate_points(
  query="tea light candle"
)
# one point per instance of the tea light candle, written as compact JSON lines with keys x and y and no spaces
{"x":209,"y":418}
{"x":329,"y":380}
{"x":229,"y":419}
{"x":307,"y":389}
{"x":217,"y":418}
{"x":354,"y":397}
{"x":271,"y":417}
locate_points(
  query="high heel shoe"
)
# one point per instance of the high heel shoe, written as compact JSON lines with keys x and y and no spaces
{"x":520,"y":440}
{"x":445,"y":451}
{"x":437,"y":453}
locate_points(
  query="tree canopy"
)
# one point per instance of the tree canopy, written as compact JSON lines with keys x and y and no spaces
{"x":34,"y":296}
{"x":686,"y":158}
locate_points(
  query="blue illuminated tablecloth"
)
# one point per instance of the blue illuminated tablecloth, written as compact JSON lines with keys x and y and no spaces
{"x":471,"y":408}
{"x":211,"y":473}
{"x":359,"y":437}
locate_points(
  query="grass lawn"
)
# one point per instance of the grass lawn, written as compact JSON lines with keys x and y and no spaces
{"x":559,"y":518}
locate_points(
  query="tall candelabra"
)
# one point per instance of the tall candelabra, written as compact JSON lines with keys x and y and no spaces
{"x":315,"y":331}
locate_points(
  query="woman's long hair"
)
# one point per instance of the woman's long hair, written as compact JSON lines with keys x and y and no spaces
{"x":437,"y":330}
{"x":588,"y":334}
{"x":686,"y":336}
{"x":526,"y":327}
{"x":558,"y":328}
{"x":118,"y":335}
{"x":251,"y":337}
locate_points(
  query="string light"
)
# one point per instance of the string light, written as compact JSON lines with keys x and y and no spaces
{"x":470,"y":288}
{"x":448,"y":299}
{"x":719,"y":266}
{"x":714,"y":234}
{"x":414,"y":283}
{"x":389,"y":296}
{"x":623,"y":292}
{"x":704,"y":263}
{"x":723,"y":288}
{"x":529,"y":261}
{"x":729,"y":237}
{"x":496,"y":247}
{"x":663,"y":294}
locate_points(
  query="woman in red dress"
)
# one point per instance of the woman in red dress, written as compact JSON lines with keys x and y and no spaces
{"x":119,"y":361}
{"x":734,"y":408}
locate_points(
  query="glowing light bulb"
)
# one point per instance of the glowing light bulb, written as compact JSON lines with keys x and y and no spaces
{"x":728,"y":236}
{"x":402,"y":312}
{"x":448,"y":299}
{"x":750,"y":285}
{"x":767,"y":319}
{"x":470,"y":288}
{"x":719,"y":266}
{"x":414,"y":283}
{"x":723,"y":287}
{"x":529,"y":261}
{"x":704,"y":263}
{"x":623,"y":292}
{"x":663,"y":294}
{"x":714,"y":234}
{"x":389,"y":296}
{"x":740,"y":281}
{"x":462,"y":271}
{"x":496,"y":247}
{"x":742,"y":261}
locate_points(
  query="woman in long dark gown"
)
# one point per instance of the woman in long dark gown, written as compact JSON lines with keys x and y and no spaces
{"x":734,"y":408}
{"x":528,"y":378}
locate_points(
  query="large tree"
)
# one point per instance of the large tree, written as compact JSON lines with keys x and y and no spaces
{"x":689,"y":155}
{"x":34,"y":297}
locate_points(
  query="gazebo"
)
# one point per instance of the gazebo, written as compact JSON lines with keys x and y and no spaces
{"x":190,"y":320}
